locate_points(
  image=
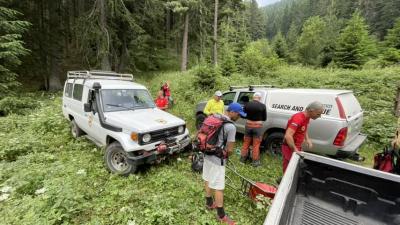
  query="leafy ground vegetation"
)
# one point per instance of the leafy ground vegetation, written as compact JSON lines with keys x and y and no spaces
{"x":47,"y":177}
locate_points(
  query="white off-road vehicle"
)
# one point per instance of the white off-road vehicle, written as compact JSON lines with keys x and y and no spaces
{"x":115,"y":112}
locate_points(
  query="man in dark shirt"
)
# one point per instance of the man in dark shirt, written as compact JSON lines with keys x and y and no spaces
{"x":256,"y":115}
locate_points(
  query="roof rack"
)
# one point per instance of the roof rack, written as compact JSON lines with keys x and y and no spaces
{"x":231,"y":88}
{"x":97,"y":74}
{"x":252,"y":87}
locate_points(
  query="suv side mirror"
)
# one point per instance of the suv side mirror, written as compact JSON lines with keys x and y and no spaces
{"x":87,"y":107}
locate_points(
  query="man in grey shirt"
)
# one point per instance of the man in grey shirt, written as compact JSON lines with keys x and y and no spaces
{"x":214,"y":166}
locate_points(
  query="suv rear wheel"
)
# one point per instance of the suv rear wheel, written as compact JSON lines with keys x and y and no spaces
{"x":116,"y":160}
{"x":273,"y":143}
{"x":75,"y":130}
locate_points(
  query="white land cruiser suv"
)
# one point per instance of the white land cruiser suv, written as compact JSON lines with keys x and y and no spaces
{"x":117,"y":113}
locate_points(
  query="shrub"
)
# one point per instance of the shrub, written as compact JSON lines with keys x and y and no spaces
{"x":258,"y":59}
{"x":206,"y":76}
{"x":17,"y":105}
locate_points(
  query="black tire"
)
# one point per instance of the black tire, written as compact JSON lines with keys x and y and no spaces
{"x":273,"y":143}
{"x":75,"y":130}
{"x":199,"y":120}
{"x":116,"y":160}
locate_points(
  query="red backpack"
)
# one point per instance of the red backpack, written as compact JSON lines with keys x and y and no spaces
{"x":385,"y":161}
{"x":207,"y":136}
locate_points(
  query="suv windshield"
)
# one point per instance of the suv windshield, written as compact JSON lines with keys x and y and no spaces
{"x":125,"y":99}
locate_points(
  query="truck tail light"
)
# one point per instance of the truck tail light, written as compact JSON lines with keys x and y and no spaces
{"x":342,"y":114}
{"x":340,"y":137}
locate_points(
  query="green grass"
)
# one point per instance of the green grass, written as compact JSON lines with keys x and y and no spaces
{"x":37,"y":152}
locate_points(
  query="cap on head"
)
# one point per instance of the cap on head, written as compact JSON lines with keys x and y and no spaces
{"x":236,"y":107}
{"x":257,"y":95}
{"x":218,"y":93}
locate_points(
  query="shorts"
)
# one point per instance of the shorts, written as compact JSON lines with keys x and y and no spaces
{"x":214,"y":174}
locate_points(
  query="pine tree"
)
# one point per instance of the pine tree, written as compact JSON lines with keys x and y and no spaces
{"x":11,"y":48}
{"x":312,"y":41}
{"x":391,"y":54}
{"x":280,"y":46}
{"x":392,"y":39}
{"x":354,"y":46}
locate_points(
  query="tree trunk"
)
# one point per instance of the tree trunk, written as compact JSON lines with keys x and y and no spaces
{"x":105,"y":59}
{"x":215,"y":54}
{"x":185,"y":43}
{"x":167,"y":27}
{"x":397,"y":103}
{"x":56,"y":50}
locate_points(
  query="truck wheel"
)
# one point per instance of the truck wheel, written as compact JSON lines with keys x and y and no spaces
{"x":75,"y":130}
{"x":274,"y":143}
{"x":199,"y":120}
{"x":116,"y":160}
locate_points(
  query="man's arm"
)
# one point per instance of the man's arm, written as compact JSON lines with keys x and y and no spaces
{"x":229,"y":147}
{"x":308,"y":141}
{"x":207,"y":108}
{"x":289,"y":139}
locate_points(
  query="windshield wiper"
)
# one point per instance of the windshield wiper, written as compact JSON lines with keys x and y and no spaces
{"x":128,"y":108}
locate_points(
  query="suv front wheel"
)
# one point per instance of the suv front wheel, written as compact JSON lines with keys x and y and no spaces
{"x":75,"y":130}
{"x":199,"y":120}
{"x":116,"y":160}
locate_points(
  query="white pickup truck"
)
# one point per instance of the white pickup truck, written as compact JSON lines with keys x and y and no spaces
{"x":336,"y":133}
{"x":117,"y":113}
{"x":316,"y":190}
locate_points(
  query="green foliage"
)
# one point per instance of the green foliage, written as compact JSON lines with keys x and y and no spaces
{"x":206,"y":76}
{"x":55,"y":179}
{"x":392,"y":39}
{"x":280,"y":46}
{"x":17,"y":105}
{"x":354,"y":46}
{"x":227,"y":63}
{"x":259,"y":59}
{"x":312,"y":41}
{"x":11,"y":48}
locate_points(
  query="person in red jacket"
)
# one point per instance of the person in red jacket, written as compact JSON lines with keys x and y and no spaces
{"x":167,"y":91}
{"x":296,"y":131}
{"x":161,"y":101}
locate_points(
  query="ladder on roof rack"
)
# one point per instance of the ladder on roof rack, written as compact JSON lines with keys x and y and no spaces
{"x":95,"y":74}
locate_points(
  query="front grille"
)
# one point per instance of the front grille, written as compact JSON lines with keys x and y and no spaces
{"x":161,"y":135}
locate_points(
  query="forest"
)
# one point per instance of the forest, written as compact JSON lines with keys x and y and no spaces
{"x":200,"y":46}
{"x":41,"y":40}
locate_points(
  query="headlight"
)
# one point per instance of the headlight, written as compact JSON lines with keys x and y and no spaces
{"x":181,"y":129}
{"x":146,"y":138}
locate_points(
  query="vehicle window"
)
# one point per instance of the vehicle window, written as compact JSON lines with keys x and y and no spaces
{"x":68,"y":90}
{"x":126,"y":99}
{"x":244,"y":97}
{"x":227,"y":98}
{"x":92,"y":99}
{"x":78,"y":89}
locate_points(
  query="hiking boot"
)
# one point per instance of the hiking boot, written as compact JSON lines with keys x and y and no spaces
{"x":226,"y":220}
{"x":212,"y":206}
{"x":256,"y":163}
{"x":243,"y":159}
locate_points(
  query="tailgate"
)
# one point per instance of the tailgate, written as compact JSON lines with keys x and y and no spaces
{"x":353,"y":113}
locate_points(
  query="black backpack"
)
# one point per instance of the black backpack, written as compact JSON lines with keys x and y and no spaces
{"x":197,"y":162}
